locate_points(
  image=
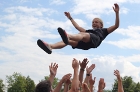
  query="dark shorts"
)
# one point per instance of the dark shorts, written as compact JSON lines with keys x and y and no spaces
{"x":94,"y":43}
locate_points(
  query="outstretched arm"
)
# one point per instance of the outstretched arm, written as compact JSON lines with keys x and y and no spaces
{"x":53,"y":70}
{"x":66,"y":85}
{"x":91,"y":83}
{"x":114,"y":27}
{"x":83,"y":65}
{"x":88,"y":72}
{"x":75,"y":80}
{"x":74,"y":23}
{"x":120,"y":86}
{"x":101,"y":85}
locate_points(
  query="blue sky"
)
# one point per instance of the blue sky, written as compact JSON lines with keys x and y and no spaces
{"x":22,"y":22}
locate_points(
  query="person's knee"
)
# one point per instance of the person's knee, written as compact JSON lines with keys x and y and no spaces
{"x":86,"y":37}
{"x":73,"y":43}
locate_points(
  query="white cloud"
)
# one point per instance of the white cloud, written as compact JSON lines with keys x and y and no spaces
{"x":57,"y":2}
{"x":134,"y":1}
{"x":29,"y":11}
{"x":132,"y":40}
{"x":124,"y":10}
{"x":97,"y":8}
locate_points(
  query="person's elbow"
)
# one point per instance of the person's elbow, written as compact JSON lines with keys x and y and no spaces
{"x":116,"y":26}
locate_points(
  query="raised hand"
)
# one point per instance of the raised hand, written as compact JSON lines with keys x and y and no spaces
{"x":53,"y":69}
{"x":68,"y":81}
{"x":91,"y":81}
{"x":116,"y":8}
{"x":117,"y":74}
{"x":101,"y":85}
{"x":120,"y":85}
{"x":89,"y":70}
{"x":68,"y":15}
{"x":66,"y":77}
{"x":84,"y":63}
{"x":75,"y":64}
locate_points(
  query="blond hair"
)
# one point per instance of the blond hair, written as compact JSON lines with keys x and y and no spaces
{"x":100,"y":20}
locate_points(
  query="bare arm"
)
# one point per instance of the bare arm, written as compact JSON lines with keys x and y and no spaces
{"x":120,"y":86}
{"x":101,"y":85}
{"x":88,"y":72}
{"x":91,"y":83}
{"x":114,"y":27}
{"x":53,"y":71}
{"x":74,"y":23}
{"x":75,"y":80}
{"x":66,"y":85}
{"x":82,"y":69}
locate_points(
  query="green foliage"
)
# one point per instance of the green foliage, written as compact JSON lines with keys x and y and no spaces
{"x":137,"y":87}
{"x":128,"y":85}
{"x":1,"y":86}
{"x":16,"y":83}
{"x":19,"y":83}
{"x":30,"y":85}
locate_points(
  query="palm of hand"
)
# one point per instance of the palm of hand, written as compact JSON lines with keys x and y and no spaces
{"x":75,"y":64}
{"x":116,"y":9}
{"x":84,"y":63}
{"x":90,"y":68}
{"x":67,"y":14}
{"x":53,"y":71}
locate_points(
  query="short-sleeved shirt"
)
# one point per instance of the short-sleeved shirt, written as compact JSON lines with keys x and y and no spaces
{"x":96,"y":37}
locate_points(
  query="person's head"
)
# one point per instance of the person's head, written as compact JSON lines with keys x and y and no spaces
{"x":44,"y":86}
{"x":97,"y":23}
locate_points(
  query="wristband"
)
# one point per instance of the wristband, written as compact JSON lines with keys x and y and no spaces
{"x":82,"y":69}
{"x":88,"y":74}
{"x":70,"y":18}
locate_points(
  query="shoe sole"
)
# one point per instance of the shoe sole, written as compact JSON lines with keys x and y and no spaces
{"x":43,"y":46}
{"x":63,"y":35}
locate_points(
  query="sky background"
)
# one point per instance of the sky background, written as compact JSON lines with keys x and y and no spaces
{"x":23,"y":22}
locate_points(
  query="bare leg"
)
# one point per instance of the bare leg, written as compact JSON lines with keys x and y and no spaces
{"x":61,"y":44}
{"x":57,"y":45}
{"x":82,"y":36}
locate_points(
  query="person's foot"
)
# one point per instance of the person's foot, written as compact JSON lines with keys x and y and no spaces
{"x":44,"y":46}
{"x":63,"y":35}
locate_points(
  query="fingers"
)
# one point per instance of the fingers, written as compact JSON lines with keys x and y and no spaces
{"x":68,"y":76}
{"x":91,"y":67}
{"x":116,"y":72}
{"x":53,"y":65}
{"x":67,"y":14}
{"x":85,"y":61}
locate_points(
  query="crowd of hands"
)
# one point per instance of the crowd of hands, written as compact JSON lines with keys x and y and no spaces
{"x":76,"y":83}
